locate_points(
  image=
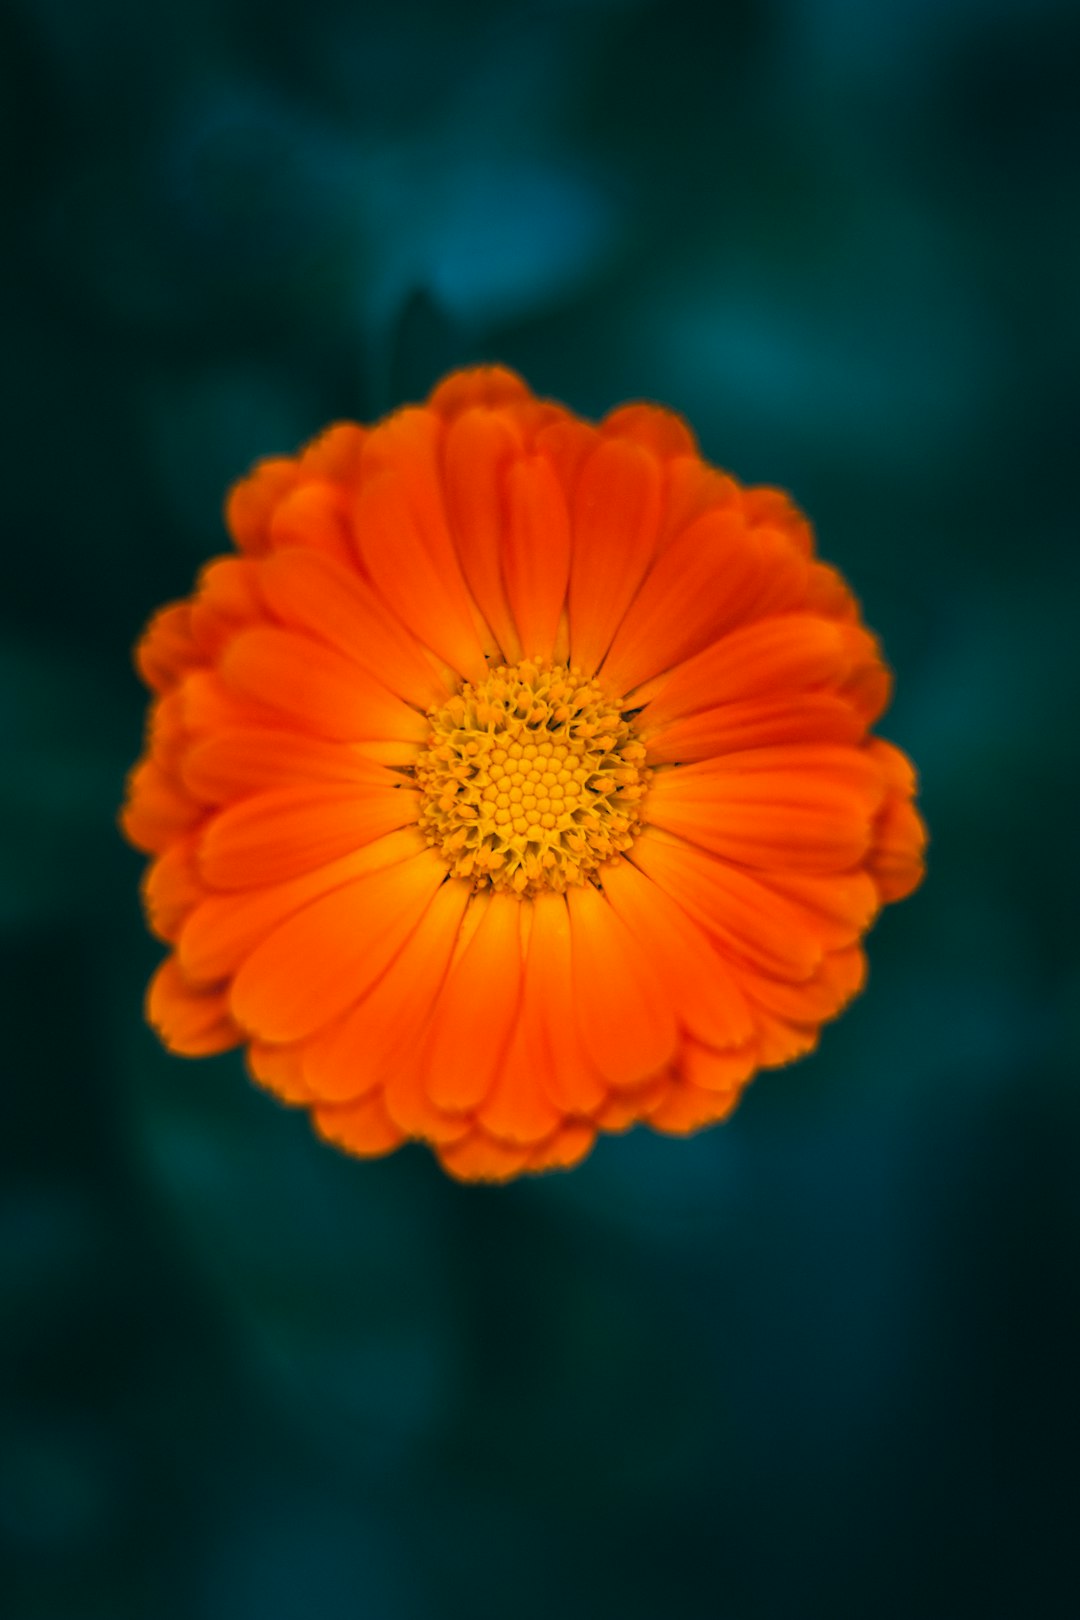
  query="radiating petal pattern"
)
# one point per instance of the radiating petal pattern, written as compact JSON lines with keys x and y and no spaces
{"x":513,"y":783}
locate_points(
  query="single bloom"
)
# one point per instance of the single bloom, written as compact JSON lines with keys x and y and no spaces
{"x":513,"y":782}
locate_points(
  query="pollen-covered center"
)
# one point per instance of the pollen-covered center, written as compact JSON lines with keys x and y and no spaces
{"x":530,"y":779}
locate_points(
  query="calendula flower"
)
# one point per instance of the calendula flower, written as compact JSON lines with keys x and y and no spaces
{"x":513,"y":783}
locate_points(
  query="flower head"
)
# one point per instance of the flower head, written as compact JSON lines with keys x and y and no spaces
{"x":515,"y":782}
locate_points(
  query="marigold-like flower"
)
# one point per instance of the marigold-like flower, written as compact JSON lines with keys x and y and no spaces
{"x":513,"y":783}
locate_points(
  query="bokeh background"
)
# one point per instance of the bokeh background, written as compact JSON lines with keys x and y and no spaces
{"x":819,"y":1362}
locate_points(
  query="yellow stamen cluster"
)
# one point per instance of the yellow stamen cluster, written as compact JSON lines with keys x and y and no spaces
{"x":531,"y":779}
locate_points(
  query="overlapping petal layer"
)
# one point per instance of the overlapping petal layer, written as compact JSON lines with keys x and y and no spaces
{"x":380,"y":574}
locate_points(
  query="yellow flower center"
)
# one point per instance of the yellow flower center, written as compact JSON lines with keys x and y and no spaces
{"x":531,"y":779}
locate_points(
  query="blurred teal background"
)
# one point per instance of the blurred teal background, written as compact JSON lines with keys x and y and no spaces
{"x":820,"y":1362}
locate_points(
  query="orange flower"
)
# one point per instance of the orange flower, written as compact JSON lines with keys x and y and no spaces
{"x":514,"y":783}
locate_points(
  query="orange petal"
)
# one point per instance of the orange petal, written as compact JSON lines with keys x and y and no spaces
{"x":252,"y":502}
{"x":411,"y":1108}
{"x":516,"y":1108}
{"x":696,"y":978}
{"x":616,"y":520}
{"x":480,"y":1158}
{"x":157,"y":811}
{"x":315,"y":517}
{"x":897,"y":854}
{"x":804,"y":717}
{"x":328,"y":600}
{"x":363,"y":1128}
{"x":226,"y":928}
{"x":790,"y":653}
{"x":237,"y":761}
{"x":780,"y":1041}
{"x":775,"y":509}
{"x":714,"y":576}
{"x":536,"y":553}
{"x":167,"y":734}
{"x":567,"y":443}
{"x":654,"y":428}
{"x":323,"y":959}
{"x":372,"y":1043}
{"x":476,"y":1011}
{"x":172,"y":888}
{"x":695,"y":589}
{"x":430,"y":603}
{"x":485,"y":386}
{"x":631,"y":1104}
{"x":403,"y":535}
{"x":317,"y":688}
{"x":335,"y":454}
{"x":193,"y":1023}
{"x":686,"y":1107}
{"x":744,"y":915}
{"x":282,"y":834}
{"x":569,"y":1145}
{"x":896,"y":860}
{"x":828,"y":593}
{"x":534,"y":417}
{"x":479,"y":446}
{"x":717,"y":1071}
{"x":569,"y":1077}
{"x":626,"y":1021}
{"x":211,"y":711}
{"x":826,"y":835}
{"x":839,"y":908}
{"x":209,"y":706}
{"x":808,"y":809}
{"x":167,"y":649}
{"x":277,"y":1068}
{"x":692,"y":489}
{"x":225,"y":601}
{"x":854,"y":771}
{"x":840,"y":975}
{"x":869,"y":684}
